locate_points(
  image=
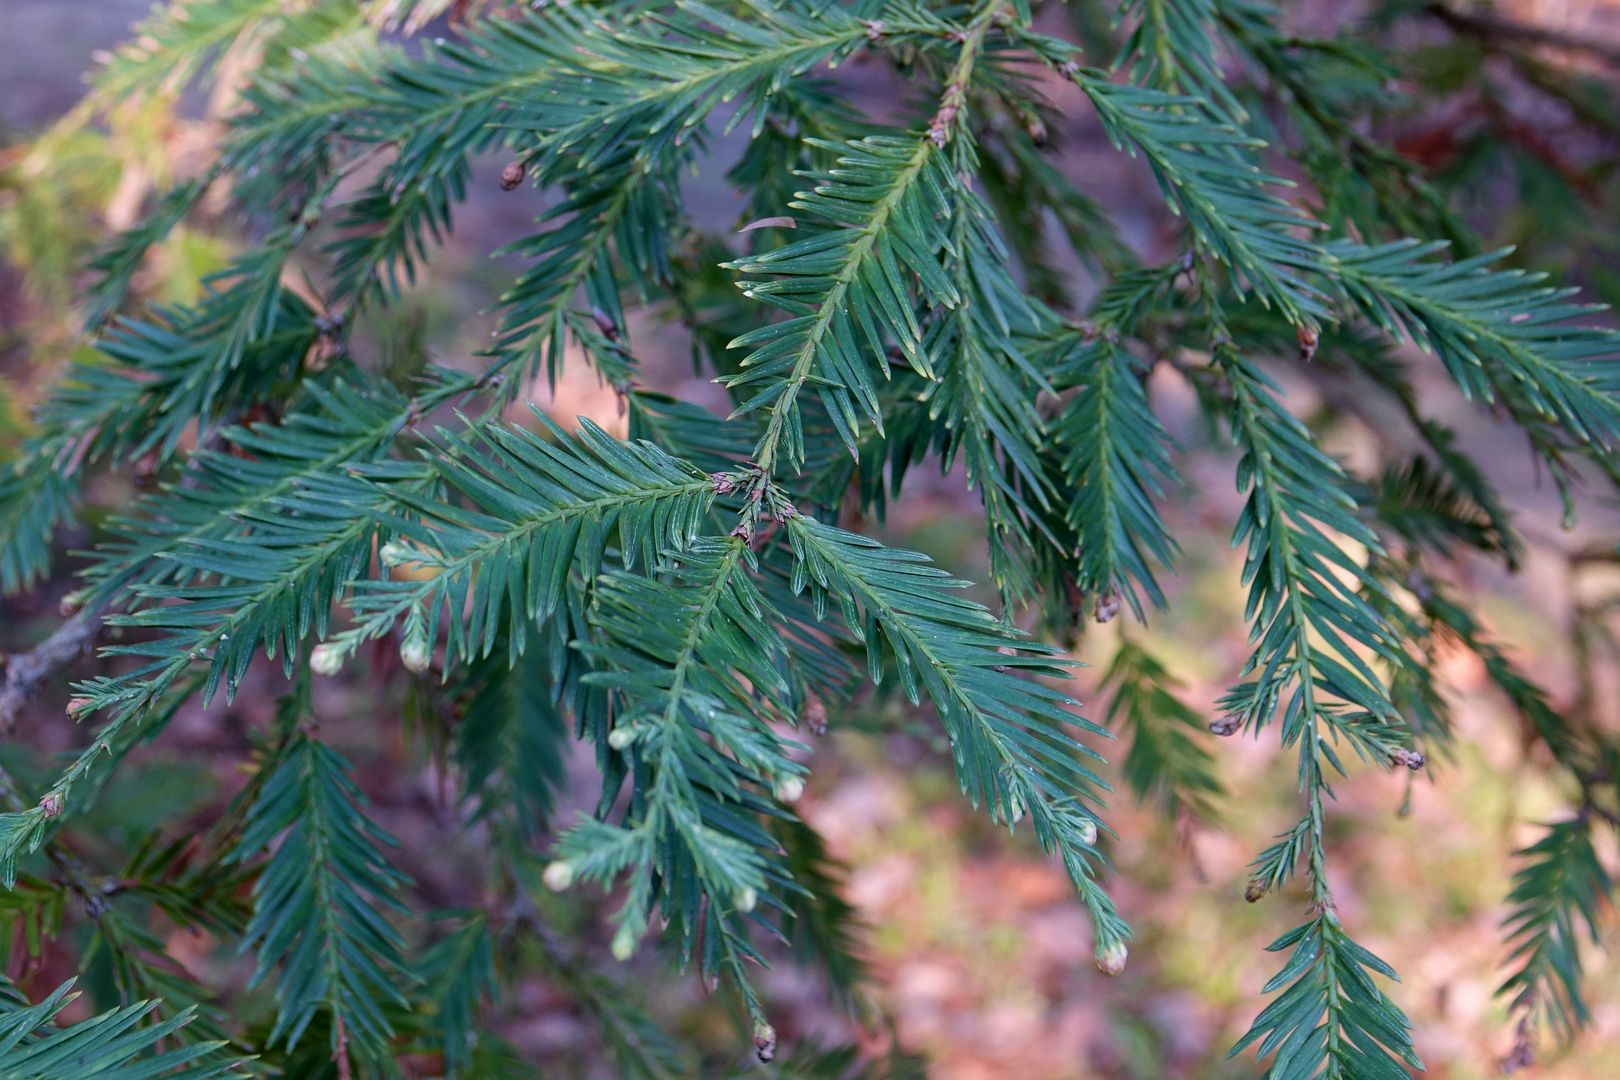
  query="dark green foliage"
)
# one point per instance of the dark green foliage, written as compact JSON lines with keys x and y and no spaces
{"x":114,"y":1045}
{"x":1118,"y":466}
{"x":683,"y":601}
{"x":1330,"y":1018}
{"x":322,"y":901}
{"x":1165,"y":763}
{"x":1558,"y":896}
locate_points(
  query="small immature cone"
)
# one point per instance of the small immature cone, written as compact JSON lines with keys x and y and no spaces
{"x":1111,"y":960}
{"x":77,"y":707}
{"x":394,"y":553}
{"x":512,"y":175}
{"x":624,"y":945}
{"x":764,"y":1041}
{"x":747,"y":900}
{"x":51,"y":805}
{"x":1227,"y":725}
{"x":1255,"y":891}
{"x":789,"y":789}
{"x":1088,"y":832}
{"x":1107,"y":606}
{"x":326,"y":659}
{"x":558,"y":875}
{"x":815,"y":715}
{"x":1308,"y":339}
{"x":415,"y":655}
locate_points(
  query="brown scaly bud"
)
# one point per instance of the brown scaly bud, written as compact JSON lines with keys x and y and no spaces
{"x":1308,"y":340}
{"x":1227,"y":725}
{"x":512,"y":175}
{"x":764,"y":1041}
{"x":1523,"y":1054}
{"x":71,"y":604}
{"x":146,"y":469}
{"x":1419,"y":587}
{"x":77,"y":707}
{"x":1111,"y":961}
{"x":1255,"y":891}
{"x":1037,"y":131}
{"x":815,"y":715}
{"x":605,"y":323}
{"x":51,"y":805}
{"x":1107,"y":606}
{"x":1412,"y":759}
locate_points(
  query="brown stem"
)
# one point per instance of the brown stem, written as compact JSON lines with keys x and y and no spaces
{"x":26,"y":672}
{"x":341,"y":1053}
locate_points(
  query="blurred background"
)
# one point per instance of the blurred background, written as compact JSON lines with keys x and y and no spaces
{"x":980,"y":960}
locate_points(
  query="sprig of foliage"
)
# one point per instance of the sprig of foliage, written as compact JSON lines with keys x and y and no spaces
{"x":109,"y":1046}
{"x":1164,"y":764}
{"x":1560,"y":887}
{"x":1330,"y":1018}
{"x":322,"y":901}
{"x":1008,"y":733}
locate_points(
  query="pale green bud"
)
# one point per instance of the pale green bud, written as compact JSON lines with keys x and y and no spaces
{"x":395,"y":553}
{"x":764,"y":1041}
{"x":415,"y":654}
{"x":326,"y":659}
{"x":558,"y":875}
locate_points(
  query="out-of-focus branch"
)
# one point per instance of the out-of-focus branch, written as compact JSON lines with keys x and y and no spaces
{"x":1491,"y":28}
{"x":24,"y":672}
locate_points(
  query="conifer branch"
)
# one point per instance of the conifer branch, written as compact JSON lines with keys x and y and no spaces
{"x":1008,"y":731}
{"x":662,"y":599}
